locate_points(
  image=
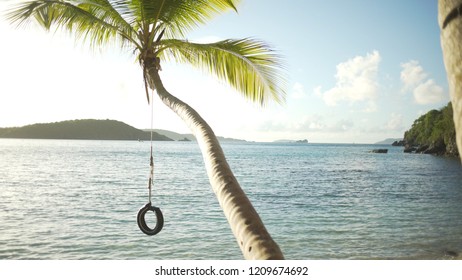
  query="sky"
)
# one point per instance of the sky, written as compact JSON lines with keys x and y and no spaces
{"x":358,"y":71}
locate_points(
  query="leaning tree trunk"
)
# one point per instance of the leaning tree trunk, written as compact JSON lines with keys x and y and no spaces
{"x":450,"y":21}
{"x":253,"y":238}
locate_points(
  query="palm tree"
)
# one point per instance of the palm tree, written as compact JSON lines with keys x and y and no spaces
{"x":155,"y":31}
{"x":450,"y":21}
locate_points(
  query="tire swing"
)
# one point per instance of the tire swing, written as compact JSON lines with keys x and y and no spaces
{"x":141,"y":218}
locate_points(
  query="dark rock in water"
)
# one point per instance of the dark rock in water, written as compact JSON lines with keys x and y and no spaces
{"x":421,"y":149}
{"x":436,"y":148}
{"x":409,"y":149}
{"x":380,"y":151}
{"x":400,"y":143}
{"x":451,"y":253}
{"x":439,"y":148}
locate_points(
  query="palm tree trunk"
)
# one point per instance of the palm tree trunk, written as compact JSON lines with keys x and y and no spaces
{"x":450,"y":21}
{"x":253,"y":238}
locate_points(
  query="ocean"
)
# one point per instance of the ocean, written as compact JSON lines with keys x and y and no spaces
{"x":70,"y":199}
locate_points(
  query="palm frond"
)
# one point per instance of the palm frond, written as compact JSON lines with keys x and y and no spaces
{"x":177,"y":16}
{"x":145,"y":12}
{"x":96,"y":21}
{"x":187,"y":15}
{"x":248,"y":65}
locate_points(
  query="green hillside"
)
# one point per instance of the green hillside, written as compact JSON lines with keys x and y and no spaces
{"x":81,"y":129}
{"x":433,"y":133}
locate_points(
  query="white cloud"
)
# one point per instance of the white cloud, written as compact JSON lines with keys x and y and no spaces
{"x":342,"y":125}
{"x":395,"y":123}
{"x":412,"y":75}
{"x":428,"y":93}
{"x":317,"y":91}
{"x":371,"y":107}
{"x":298,"y":91}
{"x":310,"y":123}
{"x":307,"y":124}
{"x":414,"y":79}
{"x":356,"y":81}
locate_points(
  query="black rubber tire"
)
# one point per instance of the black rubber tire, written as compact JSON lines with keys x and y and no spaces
{"x":142,"y":220}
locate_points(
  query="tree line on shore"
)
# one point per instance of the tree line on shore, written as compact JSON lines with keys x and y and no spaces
{"x":432,"y":133}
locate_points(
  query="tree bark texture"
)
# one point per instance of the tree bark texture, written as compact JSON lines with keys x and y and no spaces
{"x":253,"y":238}
{"x":450,"y":21}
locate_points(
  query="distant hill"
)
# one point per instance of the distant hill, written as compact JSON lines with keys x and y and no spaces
{"x":388,"y":141}
{"x":189,"y":137}
{"x":88,"y":129}
{"x":173,"y":135}
{"x":304,"y":141}
{"x":225,"y":139}
{"x":284,"y":141}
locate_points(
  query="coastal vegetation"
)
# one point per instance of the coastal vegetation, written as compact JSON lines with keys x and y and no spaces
{"x":433,"y":133}
{"x":451,"y":36}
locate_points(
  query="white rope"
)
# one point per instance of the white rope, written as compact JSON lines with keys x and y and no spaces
{"x":151,"y":161}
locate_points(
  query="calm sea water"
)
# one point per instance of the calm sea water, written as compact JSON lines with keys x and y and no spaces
{"x":79,"y":200}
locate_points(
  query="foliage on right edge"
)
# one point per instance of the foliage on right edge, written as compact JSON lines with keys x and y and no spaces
{"x":434,"y":129}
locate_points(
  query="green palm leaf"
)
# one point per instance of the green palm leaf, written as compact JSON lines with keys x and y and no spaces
{"x":183,"y":16}
{"x":177,"y":16}
{"x":95,"y":21}
{"x":248,"y":65}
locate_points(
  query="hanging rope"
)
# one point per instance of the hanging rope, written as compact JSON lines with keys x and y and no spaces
{"x":141,"y":219}
{"x":151,"y":159}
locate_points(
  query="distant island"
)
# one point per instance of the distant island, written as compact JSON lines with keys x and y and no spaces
{"x":304,"y":141}
{"x":88,"y":129}
{"x":189,"y":137}
{"x":389,"y":141}
{"x":92,"y":129}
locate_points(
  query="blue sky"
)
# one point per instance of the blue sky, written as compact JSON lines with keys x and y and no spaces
{"x":358,"y":72}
